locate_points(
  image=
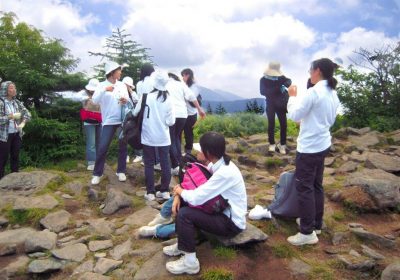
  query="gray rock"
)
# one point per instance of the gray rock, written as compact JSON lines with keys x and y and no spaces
{"x":37,"y":255}
{"x":16,"y":236}
{"x":329,"y":161}
{"x":391,"y":272}
{"x":121,"y":250}
{"x":122,"y":230}
{"x":339,"y":238}
{"x":374,"y":238}
{"x":100,"y":245}
{"x":154,"y":268}
{"x":355,"y":225}
{"x":57,"y":221}
{"x":42,"y":266}
{"x":3,"y":221}
{"x":250,"y":234}
{"x":101,"y":227}
{"x":384,"y":162}
{"x":366,"y":140}
{"x":67,"y":196}
{"x":87,"y":266}
{"x":356,"y":263}
{"x":261,"y":149}
{"x":299,"y":268}
{"x":149,"y":249}
{"x":40,"y":241}
{"x":42,"y":202}
{"x":7,"y":249}
{"x":104,"y":265}
{"x":26,"y":182}
{"x":371,"y":253}
{"x":93,"y":276}
{"x":116,"y":200}
{"x":15,"y":267}
{"x":141,"y":217}
{"x":349,"y":166}
{"x":76,"y":252}
{"x":247,"y":161}
{"x":356,"y":156}
{"x":382,"y":186}
{"x":93,"y":194}
{"x":100,"y":255}
{"x":75,"y":187}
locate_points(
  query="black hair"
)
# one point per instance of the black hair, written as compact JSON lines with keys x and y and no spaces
{"x":173,"y":76}
{"x":213,"y":143}
{"x":112,"y":72}
{"x":327,"y":68}
{"x":309,"y":84}
{"x":190,"y":80}
{"x":146,"y":71}
{"x":161,"y":93}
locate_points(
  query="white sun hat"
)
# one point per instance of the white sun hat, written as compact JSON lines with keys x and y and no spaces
{"x":160,"y":80}
{"x":92,"y":84}
{"x":274,"y":69}
{"x":128,"y":81}
{"x":197,"y":147}
{"x":111,"y":66}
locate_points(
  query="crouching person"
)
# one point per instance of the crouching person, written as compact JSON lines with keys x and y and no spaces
{"x":226,"y":181}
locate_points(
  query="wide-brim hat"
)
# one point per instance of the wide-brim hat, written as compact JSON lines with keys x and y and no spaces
{"x":92,"y":84}
{"x":160,"y":80}
{"x":273,"y":70}
{"x":197,"y":147}
{"x":128,"y":81}
{"x":111,"y":66}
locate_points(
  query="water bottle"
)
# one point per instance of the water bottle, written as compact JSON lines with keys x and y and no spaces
{"x":284,"y":89}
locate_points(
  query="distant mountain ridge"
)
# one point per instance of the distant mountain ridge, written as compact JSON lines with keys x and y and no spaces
{"x":218,"y":95}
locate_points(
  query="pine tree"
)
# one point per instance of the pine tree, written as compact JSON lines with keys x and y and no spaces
{"x":125,"y":51}
{"x":220,"y":110}
{"x":209,"y":109}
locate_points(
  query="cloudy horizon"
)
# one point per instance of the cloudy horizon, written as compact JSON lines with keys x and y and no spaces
{"x":228,"y":44}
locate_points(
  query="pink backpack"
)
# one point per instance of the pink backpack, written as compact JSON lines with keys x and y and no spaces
{"x":194,"y":175}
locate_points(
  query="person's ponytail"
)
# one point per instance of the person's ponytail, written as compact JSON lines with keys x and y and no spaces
{"x":227,"y":159}
{"x":332,"y":82}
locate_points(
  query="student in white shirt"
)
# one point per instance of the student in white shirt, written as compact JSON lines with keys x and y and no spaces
{"x":226,"y":181}
{"x":316,"y":111}
{"x":179,"y":93}
{"x":158,"y":117}
{"x":111,"y":95}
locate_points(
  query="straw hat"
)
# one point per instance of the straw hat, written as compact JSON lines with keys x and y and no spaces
{"x":273,"y":70}
{"x":92,"y":84}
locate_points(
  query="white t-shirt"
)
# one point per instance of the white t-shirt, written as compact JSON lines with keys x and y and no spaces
{"x":179,"y":94}
{"x":190,"y":109}
{"x":144,"y":86}
{"x":111,"y":109}
{"x":316,"y":110}
{"x":158,"y":117}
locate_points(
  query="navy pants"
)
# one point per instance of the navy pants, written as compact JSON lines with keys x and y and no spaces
{"x":309,"y":175}
{"x":271,"y":111}
{"x":188,"y":130}
{"x":149,"y":157}
{"x":175,"y":132}
{"x":12,"y":148}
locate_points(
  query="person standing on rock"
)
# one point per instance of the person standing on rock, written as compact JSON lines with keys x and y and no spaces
{"x":111,"y":95}
{"x":273,"y":85}
{"x":13,"y":116}
{"x":316,"y":111}
{"x":226,"y":181}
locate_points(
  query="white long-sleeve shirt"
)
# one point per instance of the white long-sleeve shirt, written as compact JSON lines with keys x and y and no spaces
{"x":227,"y":180}
{"x":111,"y":109}
{"x":316,"y":110}
{"x":145,"y":86}
{"x":190,"y":109}
{"x":180,"y":93}
{"x":158,"y":117}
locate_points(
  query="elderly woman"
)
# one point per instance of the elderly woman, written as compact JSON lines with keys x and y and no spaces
{"x":13,"y":116}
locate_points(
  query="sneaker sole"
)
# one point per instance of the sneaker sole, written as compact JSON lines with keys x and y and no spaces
{"x":169,"y":254}
{"x":311,"y":242}
{"x":189,"y":271}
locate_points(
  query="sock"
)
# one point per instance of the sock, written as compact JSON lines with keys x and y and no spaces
{"x":190,"y":258}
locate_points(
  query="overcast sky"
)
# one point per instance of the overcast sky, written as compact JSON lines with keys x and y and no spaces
{"x":228,"y":43}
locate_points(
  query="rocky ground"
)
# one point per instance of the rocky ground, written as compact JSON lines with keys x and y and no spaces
{"x":54,"y":225}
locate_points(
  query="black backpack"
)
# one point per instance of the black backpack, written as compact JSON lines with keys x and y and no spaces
{"x":132,"y":127}
{"x":285,"y":203}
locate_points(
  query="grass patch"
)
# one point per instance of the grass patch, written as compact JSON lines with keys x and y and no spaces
{"x":217,"y":274}
{"x":338,"y":215}
{"x":273,"y":162}
{"x":138,"y":202}
{"x":224,"y":252}
{"x":31,"y":216}
{"x":64,"y":165}
{"x":266,"y":226}
{"x":283,"y":250}
{"x":322,"y":272}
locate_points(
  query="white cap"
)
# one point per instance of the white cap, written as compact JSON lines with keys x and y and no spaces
{"x":128,"y":81}
{"x":92,"y":84}
{"x":160,"y":80}
{"x":111,"y":66}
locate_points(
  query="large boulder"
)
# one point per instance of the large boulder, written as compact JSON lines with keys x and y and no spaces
{"x":41,"y":202}
{"x":384,"y":162}
{"x":391,"y":272}
{"x":250,"y":234}
{"x":76,"y":252}
{"x":381,"y":186}
{"x":366,"y":140}
{"x":40,"y":241}
{"x":57,"y":221}
{"x":26,"y":182}
{"x":116,"y":200}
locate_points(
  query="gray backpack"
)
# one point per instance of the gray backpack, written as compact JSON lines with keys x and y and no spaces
{"x":285,"y":203}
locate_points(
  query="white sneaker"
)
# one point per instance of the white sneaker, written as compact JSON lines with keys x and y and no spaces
{"x":163,"y":195}
{"x":147,"y":231}
{"x":271,"y":147}
{"x":138,"y":159}
{"x":183,"y":266}
{"x":317,"y":231}
{"x":282,"y":149}
{"x":303,"y":239}
{"x":149,"y":196}
{"x":172,"y":250}
{"x":258,"y":213}
{"x":121,"y":177}
{"x":95,"y":180}
{"x":90,"y":167}
{"x":157,"y":167}
{"x":175,"y":171}
{"x":160,"y":220}
{"x":127,"y":159}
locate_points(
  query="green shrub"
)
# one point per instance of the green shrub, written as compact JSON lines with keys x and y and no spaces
{"x":30,"y":216}
{"x":273,"y":162}
{"x":217,"y":274}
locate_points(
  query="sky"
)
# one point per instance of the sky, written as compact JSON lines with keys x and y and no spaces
{"x":227,"y":43}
